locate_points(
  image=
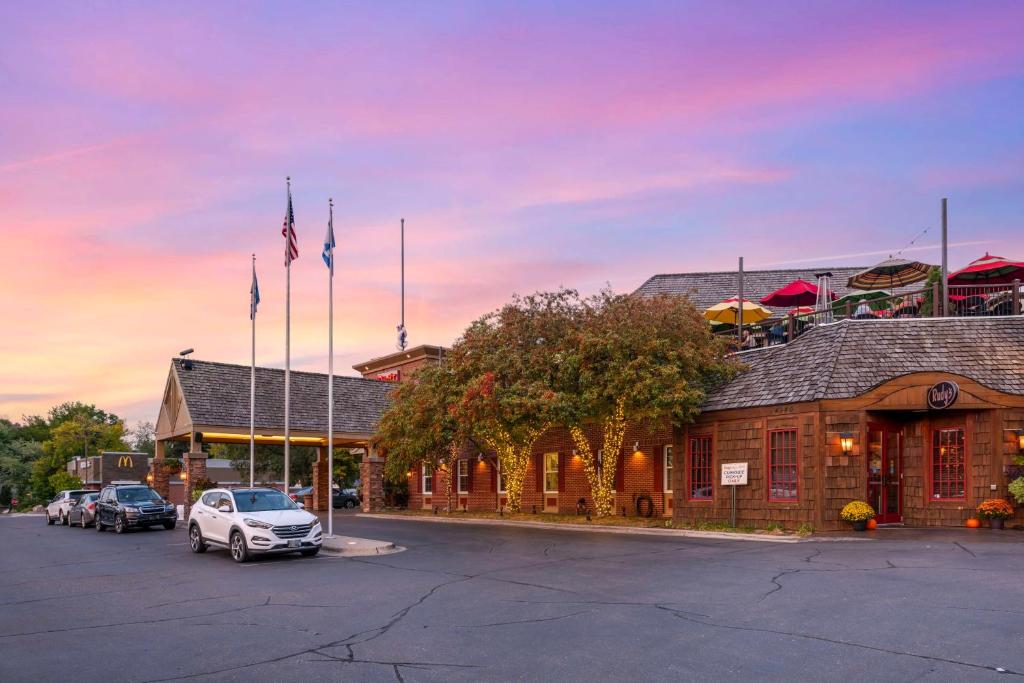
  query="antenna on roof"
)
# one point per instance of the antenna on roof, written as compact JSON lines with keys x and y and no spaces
{"x":402,"y":334}
{"x":186,"y":363}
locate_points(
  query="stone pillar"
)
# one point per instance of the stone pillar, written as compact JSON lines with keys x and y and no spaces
{"x":321,"y":481}
{"x":195,"y":470}
{"x":161,"y":482}
{"x":371,"y":475}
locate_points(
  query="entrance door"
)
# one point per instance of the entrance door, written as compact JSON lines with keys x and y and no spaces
{"x":885,"y":472}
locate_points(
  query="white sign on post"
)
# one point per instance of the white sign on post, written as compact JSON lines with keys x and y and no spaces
{"x":734,"y":473}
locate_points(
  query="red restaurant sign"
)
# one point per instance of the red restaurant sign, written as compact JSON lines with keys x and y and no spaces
{"x":943,"y":395}
{"x":390,"y":376}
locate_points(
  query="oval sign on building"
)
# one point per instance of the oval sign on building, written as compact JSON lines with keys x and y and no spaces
{"x":943,"y":395}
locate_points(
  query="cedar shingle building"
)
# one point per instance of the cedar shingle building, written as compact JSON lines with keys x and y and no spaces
{"x":920,"y":417}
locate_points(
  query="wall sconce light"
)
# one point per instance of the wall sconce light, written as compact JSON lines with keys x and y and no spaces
{"x":183,"y":475}
{"x":846,"y":442}
{"x":574,"y":453}
{"x":479,"y":457}
{"x":636,"y":449}
{"x":149,"y":477}
{"x":1020,"y":440}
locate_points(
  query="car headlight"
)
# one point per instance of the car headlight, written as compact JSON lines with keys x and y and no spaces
{"x":259,"y":524}
{"x":316,"y":525}
{"x":129,"y":508}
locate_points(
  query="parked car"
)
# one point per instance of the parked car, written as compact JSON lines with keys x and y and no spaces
{"x":298,"y":494}
{"x":83,"y":513}
{"x":252,"y":522}
{"x":57,"y":509}
{"x":127,"y":506}
{"x":344,"y":498}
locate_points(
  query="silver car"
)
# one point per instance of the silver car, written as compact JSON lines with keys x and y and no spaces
{"x":83,"y":513}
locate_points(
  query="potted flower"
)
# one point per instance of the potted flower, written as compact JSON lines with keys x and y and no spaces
{"x":995,"y":510}
{"x":858,"y":513}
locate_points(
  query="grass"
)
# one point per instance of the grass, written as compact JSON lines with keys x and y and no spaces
{"x":612,"y":521}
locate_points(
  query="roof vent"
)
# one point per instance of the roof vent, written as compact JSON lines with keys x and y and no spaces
{"x":186,"y":363}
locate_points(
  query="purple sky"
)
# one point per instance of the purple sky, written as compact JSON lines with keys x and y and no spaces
{"x":143,"y":149}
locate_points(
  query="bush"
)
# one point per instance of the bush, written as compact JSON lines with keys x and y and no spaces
{"x":201,"y":486}
{"x":995,"y":508}
{"x":857,"y":511}
{"x":1017,"y":489}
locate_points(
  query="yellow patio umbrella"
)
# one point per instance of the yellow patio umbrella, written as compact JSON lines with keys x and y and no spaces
{"x":728,"y":312}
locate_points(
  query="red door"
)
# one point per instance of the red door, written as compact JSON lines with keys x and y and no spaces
{"x":885,"y":472}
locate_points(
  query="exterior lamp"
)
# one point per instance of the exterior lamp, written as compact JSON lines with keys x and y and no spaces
{"x":479,"y":457}
{"x":1020,"y":440}
{"x":183,"y":475}
{"x":149,"y":477}
{"x":846,"y":442}
{"x":637,"y":453}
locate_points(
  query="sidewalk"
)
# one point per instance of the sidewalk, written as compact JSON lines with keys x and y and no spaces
{"x":592,"y":528}
{"x":352,"y":546}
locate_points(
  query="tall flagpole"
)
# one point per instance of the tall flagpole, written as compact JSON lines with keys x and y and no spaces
{"x":287,"y":334}
{"x":252,"y":384}
{"x":330,"y":372}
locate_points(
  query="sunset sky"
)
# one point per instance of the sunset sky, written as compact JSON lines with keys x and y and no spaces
{"x":144,"y":149}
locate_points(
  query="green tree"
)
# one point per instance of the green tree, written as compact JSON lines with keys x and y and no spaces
{"x":80,"y":431}
{"x":506,"y":364}
{"x":422,"y":425}
{"x":269,"y":461}
{"x":62,"y":481}
{"x":634,"y":359}
{"x":929,"y":305}
{"x":141,"y":438}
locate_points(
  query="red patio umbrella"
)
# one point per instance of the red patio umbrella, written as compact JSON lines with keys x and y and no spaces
{"x":990,"y":270}
{"x":797,"y":293}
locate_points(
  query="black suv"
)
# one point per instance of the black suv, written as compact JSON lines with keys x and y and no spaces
{"x":124,"y":507}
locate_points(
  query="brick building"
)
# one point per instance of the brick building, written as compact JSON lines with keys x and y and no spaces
{"x":110,"y":467}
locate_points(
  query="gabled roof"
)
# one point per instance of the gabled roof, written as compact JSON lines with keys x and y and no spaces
{"x":218,"y":394}
{"x":707,"y":289}
{"x":849,"y":358}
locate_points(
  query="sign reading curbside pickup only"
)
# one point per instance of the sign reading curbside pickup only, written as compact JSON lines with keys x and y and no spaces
{"x":734,"y":474}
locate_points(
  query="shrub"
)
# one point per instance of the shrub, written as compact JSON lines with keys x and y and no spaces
{"x":995,"y":508}
{"x":857,"y":511}
{"x":201,"y":486}
{"x":1017,"y":489}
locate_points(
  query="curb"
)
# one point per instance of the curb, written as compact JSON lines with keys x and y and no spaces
{"x":639,"y":531}
{"x":350,"y":546}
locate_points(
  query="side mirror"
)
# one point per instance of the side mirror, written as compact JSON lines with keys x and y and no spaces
{"x":224,"y":508}
{"x":302,"y":506}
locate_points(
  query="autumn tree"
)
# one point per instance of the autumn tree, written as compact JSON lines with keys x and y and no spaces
{"x":422,"y":425}
{"x":507,"y":364}
{"x":634,"y":359}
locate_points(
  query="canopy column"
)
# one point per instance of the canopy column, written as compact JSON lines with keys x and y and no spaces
{"x":321,"y":481}
{"x":371,"y":475}
{"x":195,"y":471}
{"x":161,"y":478}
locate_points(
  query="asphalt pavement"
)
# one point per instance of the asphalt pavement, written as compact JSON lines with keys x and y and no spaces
{"x":476,"y":603}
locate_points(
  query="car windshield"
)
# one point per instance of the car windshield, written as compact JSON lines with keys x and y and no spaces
{"x":262,"y":501}
{"x":139,"y":495}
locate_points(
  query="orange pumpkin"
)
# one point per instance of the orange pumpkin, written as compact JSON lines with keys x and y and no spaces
{"x":872,"y":524}
{"x":973,"y":523}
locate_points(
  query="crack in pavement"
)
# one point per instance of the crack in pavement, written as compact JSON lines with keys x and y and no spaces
{"x":834,"y":641}
{"x":969,"y":552}
{"x":526,"y":621}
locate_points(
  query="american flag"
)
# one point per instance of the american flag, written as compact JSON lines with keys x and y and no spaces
{"x":291,"y":246}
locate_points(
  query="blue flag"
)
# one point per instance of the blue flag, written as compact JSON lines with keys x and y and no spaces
{"x":328,"y":254}
{"x":254,"y":295}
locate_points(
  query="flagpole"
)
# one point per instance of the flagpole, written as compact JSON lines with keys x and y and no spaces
{"x":287,"y":336}
{"x":330,"y":375}
{"x":252,"y":383}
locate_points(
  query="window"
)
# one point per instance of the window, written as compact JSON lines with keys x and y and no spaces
{"x":782,"y":465}
{"x":428,"y":479}
{"x":667,"y":470}
{"x":550,"y":472}
{"x":463,"y":470}
{"x":700,"y":471}
{"x":949,"y":474}
{"x":501,"y":477}
{"x":210,"y":499}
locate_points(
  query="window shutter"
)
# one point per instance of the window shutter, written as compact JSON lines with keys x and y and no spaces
{"x":561,"y":472}
{"x":659,"y":469}
{"x":494,"y":475}
{"x":538,"y":464}
{"x":414,"y":480}
{"x":620,"y":472}
{"x":470,"y":470}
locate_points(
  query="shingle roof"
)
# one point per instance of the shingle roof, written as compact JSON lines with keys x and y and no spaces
{"x":851,"y":357}
{"x":218,"y":394}
{"x":707,"y":289}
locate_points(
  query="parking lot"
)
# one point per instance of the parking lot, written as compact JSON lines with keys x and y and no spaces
{"x":484,"y":603}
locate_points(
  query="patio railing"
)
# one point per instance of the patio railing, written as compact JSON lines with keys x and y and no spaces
{"x":964,"y":301}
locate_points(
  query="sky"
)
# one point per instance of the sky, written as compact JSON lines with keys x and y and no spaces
{"x":144,"y":149}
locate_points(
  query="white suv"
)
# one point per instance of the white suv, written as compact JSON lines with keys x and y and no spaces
{"x":57,"y":509}
{"x":251,"y":522}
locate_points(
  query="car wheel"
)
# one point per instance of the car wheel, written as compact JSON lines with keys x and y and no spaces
{"x":99,"y":525}
{"x":309,"y":553}
{"x":169,"y":526}
{"x":83,"y":522}
{"x":119,"y":527}
{"x":239,"y":553}
{"x":195,"y":539}
{"x":349,"y":504}
{"x":49,"y":519}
